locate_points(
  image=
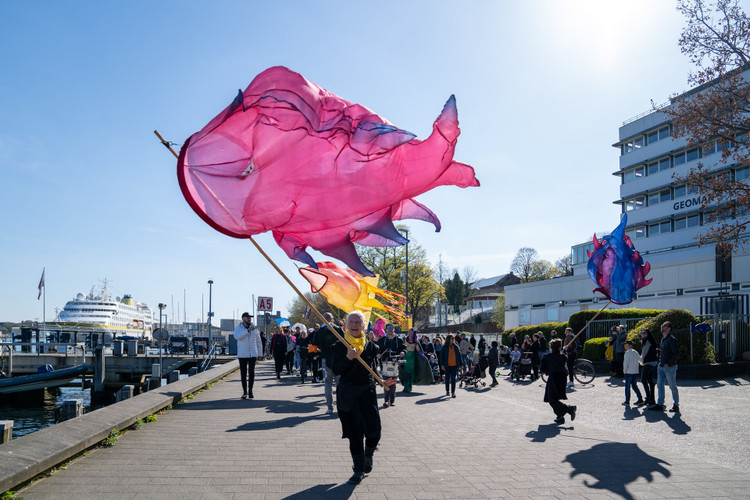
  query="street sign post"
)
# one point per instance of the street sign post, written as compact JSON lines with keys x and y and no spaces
{"x":265,"y":304}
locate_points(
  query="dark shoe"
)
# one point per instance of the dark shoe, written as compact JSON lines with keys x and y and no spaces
{"x":386,"y":404}
{"x":356,"y":478}
{"x":453,"y":395}
{"x":675,"y":409}
{"x":447,"y":394}
{"x":572,"y":411}
{"x":278,"y":375}
{"x":639,"y":403}
{"x":244,"y":395}
{"x":626,"y":403}
{"x":250,"y":395}
{"x":560,"y":420}
{"x":393,"y":403}
{"x":657,"y":408}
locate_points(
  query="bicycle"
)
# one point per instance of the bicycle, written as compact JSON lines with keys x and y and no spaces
{"x":583,"y":371}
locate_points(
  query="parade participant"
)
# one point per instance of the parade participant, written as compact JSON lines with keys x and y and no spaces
{"x":391,"y":346}
{"x":450,"y":360}
{"x":464,"y":346}
{"x":412,"y":351}
{"x":249,"y":349}
{"x":554,"y":365}
{"x":482,"y":345}
{"x":356,"y":399}
{"x":303,"y":342}
{"x":278,"y":349}
{"x":291,"y":343}
{"x":325,"y":340}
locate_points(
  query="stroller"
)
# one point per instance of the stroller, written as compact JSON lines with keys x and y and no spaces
{"x":434,"y":366}
{"x":474,"y":375}
{"x":522,"y":368}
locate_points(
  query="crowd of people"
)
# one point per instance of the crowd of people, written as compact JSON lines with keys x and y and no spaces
{"x":318,"y":354}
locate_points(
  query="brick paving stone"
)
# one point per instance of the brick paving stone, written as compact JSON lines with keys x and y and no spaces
{"x":497,"y":443}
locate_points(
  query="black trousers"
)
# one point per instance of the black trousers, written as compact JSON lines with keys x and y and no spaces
{"x":247,"y":374}
{"x":559,"y":407}
{"x":492,"y":373}
{"x":278,"y":359}
{"x":571,"y":364}
{"x":648,"y":380}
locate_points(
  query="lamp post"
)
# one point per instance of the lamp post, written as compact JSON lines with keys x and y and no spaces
{"x":210,"y":315}
{"x":162,"y":306}
{"x":407,"y":270}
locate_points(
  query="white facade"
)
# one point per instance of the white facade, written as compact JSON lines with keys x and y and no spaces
{"x":663,"y":222}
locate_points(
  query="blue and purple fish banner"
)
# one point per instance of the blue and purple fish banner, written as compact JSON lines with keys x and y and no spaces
{"x":616,"y":266}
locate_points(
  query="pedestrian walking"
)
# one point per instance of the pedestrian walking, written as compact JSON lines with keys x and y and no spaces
{"x":450,"y":360}
{"x":392,"y":348}
{"x":494,"y":359}
{"x":249,"y":349}
{"x":324,"y":341}
{"x":278,"y":349}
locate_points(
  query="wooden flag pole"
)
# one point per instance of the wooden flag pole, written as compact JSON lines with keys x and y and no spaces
{"x":589,"y":321}
{"x":309,"y":304}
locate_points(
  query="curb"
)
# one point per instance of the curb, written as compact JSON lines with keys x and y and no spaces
{"x":24,"y":458}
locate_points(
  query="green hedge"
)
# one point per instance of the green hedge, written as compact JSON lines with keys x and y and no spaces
{"x":545,"y":328}
{"x":593,"y":349}
{"x":578,"y":320}
{"x":703,"y":350}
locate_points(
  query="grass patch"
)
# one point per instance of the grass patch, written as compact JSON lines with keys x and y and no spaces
{"x":111,"y":440}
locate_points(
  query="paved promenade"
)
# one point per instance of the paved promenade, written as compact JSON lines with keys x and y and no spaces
{"x":486,"y":443}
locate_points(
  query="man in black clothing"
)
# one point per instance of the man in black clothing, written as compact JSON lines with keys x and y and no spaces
{"x":391,"y":346}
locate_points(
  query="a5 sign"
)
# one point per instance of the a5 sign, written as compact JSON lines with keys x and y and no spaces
{"x":265,"y":303}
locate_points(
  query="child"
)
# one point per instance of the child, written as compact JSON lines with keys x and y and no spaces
{"x":630,"y":369}
{"x":515,"y":357}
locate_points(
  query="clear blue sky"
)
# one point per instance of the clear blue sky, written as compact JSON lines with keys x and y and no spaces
{"x":89,"y":193}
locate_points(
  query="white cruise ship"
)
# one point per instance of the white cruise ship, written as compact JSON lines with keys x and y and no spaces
{"x":119,"y":315}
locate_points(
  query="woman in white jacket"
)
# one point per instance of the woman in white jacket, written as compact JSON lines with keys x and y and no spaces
{"x":249,"y":349}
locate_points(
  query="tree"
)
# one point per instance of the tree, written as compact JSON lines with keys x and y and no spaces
{"x":529,"y":267}
{"x":297,"y":309}
{"x":523,"y":262}
{"x":468,"y":276}
{"x":716,"y":115}
{"x":498,"y":312}
{"x":390,"y":264}
{"x":455,"y":291}
{"x":564,"y":266}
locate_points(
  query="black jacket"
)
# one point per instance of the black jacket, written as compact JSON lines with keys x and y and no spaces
{"x":325,"y":340}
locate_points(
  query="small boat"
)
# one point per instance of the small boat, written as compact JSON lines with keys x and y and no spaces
{"x":41,"y":380}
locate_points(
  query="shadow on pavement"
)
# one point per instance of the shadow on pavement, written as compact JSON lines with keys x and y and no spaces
{"x":431,"y":400}
{"x":674,"y":420}
{"x":545,"y":432}
{"x":270,"y":405}
{"x":265,"y":425}
{"x":615,"y":465}
{"x":324,"y":491}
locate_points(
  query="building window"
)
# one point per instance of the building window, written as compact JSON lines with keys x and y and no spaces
{"x":741,"y":174}
{"x":633,"y":144}
{"x":637,"y":232}
{"x":694,"y":220}
{"x":665,"y":227}
{"x":680,"y":224}
{"x":680,"y":191}
{"x":692,"y":154}
{"x":634,"y":174}
{"x":635,"y":204}
{"x":659,"y":197}
{"x":658,"y":135}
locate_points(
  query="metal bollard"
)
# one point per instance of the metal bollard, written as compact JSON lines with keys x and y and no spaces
{"x":192,"y":371}
{"x":173,"y":376}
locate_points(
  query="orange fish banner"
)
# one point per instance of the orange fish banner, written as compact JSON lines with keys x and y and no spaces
{"x":349,"y":291}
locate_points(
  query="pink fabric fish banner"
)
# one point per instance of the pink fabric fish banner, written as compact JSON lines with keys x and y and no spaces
{"x":318,"y":171}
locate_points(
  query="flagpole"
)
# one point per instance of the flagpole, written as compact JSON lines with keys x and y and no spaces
{"x":44,"y":307}
{"x":589,"y":321}
{"x":301,"y":295}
